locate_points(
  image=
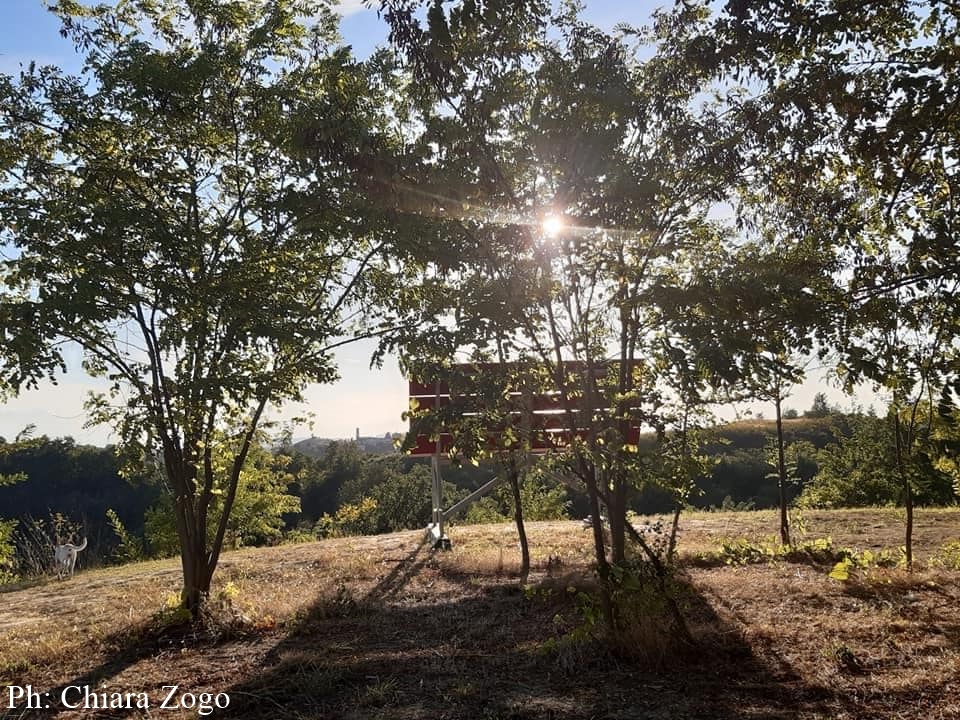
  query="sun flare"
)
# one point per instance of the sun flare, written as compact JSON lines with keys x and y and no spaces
{"x":552,"y":225}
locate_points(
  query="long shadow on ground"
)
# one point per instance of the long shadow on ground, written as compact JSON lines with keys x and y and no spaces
{"x":131,"y":646}
{"x":433,"y":638}
{"x":430,"y":642}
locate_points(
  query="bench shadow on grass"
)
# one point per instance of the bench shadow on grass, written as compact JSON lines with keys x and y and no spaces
{"x":483,"y":648}
{"x":154,"y":636}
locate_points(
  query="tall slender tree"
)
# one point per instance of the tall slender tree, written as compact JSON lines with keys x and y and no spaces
{"x":850,"y":122}
{"x":576,"y":192}
{"x":165,"y":219}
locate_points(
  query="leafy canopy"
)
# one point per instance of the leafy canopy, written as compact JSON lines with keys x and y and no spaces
{"x":164,"y":215}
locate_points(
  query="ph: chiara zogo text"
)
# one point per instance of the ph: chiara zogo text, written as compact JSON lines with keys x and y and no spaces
{"x":85,"y":697}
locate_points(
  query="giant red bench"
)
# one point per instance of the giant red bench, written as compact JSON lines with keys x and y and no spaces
{"x":545,"y":421}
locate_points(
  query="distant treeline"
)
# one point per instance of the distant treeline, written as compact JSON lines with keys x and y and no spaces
{"x":837,"y":460}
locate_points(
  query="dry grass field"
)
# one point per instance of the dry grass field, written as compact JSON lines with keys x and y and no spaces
{"x":381,"y":627}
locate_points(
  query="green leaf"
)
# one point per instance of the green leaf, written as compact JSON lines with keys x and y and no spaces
{"x":841,"y":571}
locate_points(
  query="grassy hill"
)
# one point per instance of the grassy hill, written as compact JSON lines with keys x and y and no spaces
{"x":756,"y":434}
{"x":380,"y":627}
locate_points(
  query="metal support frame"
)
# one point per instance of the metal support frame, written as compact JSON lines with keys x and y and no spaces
{"x":439,"y":516}
{"x":439,"y":539}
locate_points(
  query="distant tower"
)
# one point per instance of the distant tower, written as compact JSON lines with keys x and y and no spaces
{"x":358,"y":434}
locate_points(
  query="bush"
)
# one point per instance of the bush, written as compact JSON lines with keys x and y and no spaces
{"x":129,"y":547}
{"x":485,"y":510}
{"x":542,"y":500}
{"x":7,"y":552}
{"x":647,"y":630}
{"x":351,"y":519}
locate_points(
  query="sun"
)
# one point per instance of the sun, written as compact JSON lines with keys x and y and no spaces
{"x":552,"y":225}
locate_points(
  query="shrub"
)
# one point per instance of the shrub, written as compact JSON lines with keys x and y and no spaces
{"x":647,"y":630}
{"x":358,"y":518}
{"x":129,"y":547}
{"x":947,"y":556}
{"x":7,"y":551}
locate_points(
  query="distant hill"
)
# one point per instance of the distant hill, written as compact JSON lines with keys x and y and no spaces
{"x":316,"y":447}
{"x":755,"y":434}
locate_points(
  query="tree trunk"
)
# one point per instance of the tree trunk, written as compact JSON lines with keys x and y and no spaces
{"x":674,"y":527}
{"x":617,"y":517}
{"x":191,"y":532}
{"x":684,"y":454}
{"x":514,"y":474}
{"x":782,"y":476}
{"x":908,"y":540}
{"x":197,"y":574}
{"x":603,"y":567}
{"x":191,"y":523}
{"x":907,"y":487}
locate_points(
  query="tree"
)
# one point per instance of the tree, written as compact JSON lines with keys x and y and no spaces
{"x":682,"y":466}
{"x":165,"y":218}
{"x":401,"y":490}
{"x":518,"y":126}
{"x":859,"y":469}
{"x":257,"y":515}
{"x":340,"y":467}
{"x":23,"y":440}
{"x":856,"y":471}
{"x":80,"y":481}
{"x":8,"y":527}
{"x":850,"y":120}
{"x":403,"y":498}
{"x":762,"y":306}
{"x":820,"y":407}
{"x":782,"y":473}
{"x":906,"y":341}
{"x":802,"y":462}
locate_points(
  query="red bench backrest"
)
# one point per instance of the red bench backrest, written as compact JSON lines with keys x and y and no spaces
{"x":544,"y":415}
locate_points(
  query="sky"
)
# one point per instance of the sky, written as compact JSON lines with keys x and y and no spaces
{"x":369,"y":400}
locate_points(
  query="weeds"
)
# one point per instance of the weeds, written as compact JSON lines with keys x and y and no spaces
{"x":380,"y":693}
{"x":34,"y":540}
{"x":821,"y":551}
{"x":844,"y":657}
{"x":947,"y":556}
{"x":646,"y":627}
{"x":741,"y":551}
{"x":865,"y":561}
{"x":129,"y":547}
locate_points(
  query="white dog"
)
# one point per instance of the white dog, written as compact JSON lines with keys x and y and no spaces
{"x":65,"y":557}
